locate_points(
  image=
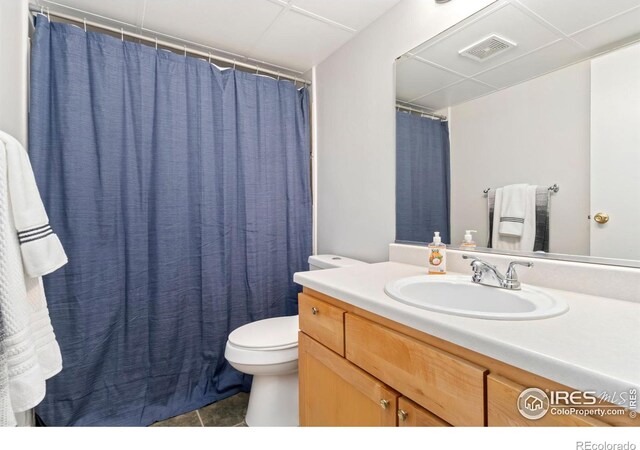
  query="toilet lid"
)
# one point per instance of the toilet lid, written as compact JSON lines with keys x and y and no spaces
{"x":268,"y":334}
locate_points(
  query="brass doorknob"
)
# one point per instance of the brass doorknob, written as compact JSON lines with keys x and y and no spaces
{"x":384,"y":404}
{"x":601,"y":217}
{"x":402,"y":415}
{"x":314,"y":311}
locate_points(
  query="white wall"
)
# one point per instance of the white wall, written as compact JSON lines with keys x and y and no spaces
{"x":14,"y":49}
{"x":355,"y":123}
{"x":536,"y":132}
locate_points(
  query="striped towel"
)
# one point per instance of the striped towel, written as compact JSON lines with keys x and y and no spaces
{"x":542,"y":218}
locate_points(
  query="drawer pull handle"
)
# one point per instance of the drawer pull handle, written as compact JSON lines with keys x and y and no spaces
{"x":402,"y":415}
{"x":314,"y":311}
{"x":384,"y":404}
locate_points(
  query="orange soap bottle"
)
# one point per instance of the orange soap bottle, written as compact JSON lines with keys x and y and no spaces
{"x":437,"y":256}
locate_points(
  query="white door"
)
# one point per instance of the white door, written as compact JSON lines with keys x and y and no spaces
{"x":615,"y":153}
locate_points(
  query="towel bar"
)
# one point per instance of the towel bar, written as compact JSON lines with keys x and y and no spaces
{"x":555,"y":188}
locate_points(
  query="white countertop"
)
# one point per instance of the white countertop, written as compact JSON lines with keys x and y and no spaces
{"x":595,"y":346}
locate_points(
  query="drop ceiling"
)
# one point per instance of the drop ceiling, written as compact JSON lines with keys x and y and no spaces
{"x":285,"y":34}
{"x":549,"y":34}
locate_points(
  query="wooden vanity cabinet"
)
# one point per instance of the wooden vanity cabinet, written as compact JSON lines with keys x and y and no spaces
{"x":359,"y":369}
{"x":339,"y":391}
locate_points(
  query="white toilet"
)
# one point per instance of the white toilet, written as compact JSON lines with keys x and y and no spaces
{"x":268,"y":350}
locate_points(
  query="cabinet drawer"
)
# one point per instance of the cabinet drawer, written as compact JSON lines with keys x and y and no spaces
{"x":411,"y":414}
{"x":446,"y":385}
{"x":502,"y":408}
{"x":323,"y":322}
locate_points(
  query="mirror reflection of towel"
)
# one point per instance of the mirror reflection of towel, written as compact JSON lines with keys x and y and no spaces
{"x":514,"y":209}
{"x":542,"y":204}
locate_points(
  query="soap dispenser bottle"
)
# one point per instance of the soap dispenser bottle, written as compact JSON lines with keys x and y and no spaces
{"x":437,"y":255}
{"x":468,"y":243}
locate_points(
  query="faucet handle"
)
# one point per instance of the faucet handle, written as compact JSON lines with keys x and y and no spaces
{"x":511,"y":275}
{"x":511,"y":271}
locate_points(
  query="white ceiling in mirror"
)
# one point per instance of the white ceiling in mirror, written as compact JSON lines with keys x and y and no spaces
{"x":548,"y":35}
{"x":506,"y":21}
{"x":414,"y":77}
{"x":292,"y":34}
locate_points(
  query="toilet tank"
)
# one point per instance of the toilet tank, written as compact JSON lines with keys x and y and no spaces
{"x":317,"y":262}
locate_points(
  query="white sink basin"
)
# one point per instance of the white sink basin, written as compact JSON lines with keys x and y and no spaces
{"x":458,"y":295}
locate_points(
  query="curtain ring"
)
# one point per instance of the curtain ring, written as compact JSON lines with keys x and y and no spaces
{"x":48,"y":15}
{"x":257,"y":70}
{"x":185,"y":51}
{"x":234,"y":64}
{"x":156,"y":42}
{"x":84,"y":20}
{"x":122,"y":34}
{"x":278,"y":76}
{"x":209,"y":57}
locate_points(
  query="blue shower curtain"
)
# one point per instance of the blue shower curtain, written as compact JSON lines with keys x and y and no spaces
{"x":181,"y":194}
{"x":422,"y":178}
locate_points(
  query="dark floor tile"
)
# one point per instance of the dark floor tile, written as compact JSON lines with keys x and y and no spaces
{"x":189,"y":419}
{"x":225,"y":413}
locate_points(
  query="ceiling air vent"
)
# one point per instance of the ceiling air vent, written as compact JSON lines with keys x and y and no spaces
{"x":487,"y":48}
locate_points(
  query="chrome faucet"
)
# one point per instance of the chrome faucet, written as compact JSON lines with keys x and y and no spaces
{"x":489,"y":275}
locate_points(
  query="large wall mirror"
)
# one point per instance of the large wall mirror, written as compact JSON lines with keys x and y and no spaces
{"x":523,"y":122}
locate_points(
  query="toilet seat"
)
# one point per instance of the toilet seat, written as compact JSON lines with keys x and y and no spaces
{"x":265,"y":342}
{"x":277,"y":333}
{"x":244,"y":356}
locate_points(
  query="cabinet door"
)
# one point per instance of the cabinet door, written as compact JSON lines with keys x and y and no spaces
{"x":411,"y":414}
{"x":334,"y":392}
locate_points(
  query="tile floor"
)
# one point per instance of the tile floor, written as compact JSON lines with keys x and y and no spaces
{"x":229,"y":412}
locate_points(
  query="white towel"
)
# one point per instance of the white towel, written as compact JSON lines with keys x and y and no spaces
{"x":33,"y":355}
{"x":512,"y":210}
{"x":42,"y":252}
{"x":525,"y":242}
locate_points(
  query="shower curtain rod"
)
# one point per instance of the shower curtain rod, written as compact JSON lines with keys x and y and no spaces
{"x":419,"y":111}
{"x":166,"y":44}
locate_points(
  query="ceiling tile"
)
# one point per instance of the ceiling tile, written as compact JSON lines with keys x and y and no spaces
{"x":535,"y":64}
{"x":355,"y":14}
{"x":128,"y":11}
{"x":611,"y":34}
{"x":415,"y":79}
{"x":223,"y":24}
{"x":453,"y":95}
{"x":570,"y":16}
{"x":299,"y":42}
{"x":508,"y":22}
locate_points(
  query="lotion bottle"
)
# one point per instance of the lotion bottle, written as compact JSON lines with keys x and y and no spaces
{"x":437,"y":256}
{"x":468,"y":243}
